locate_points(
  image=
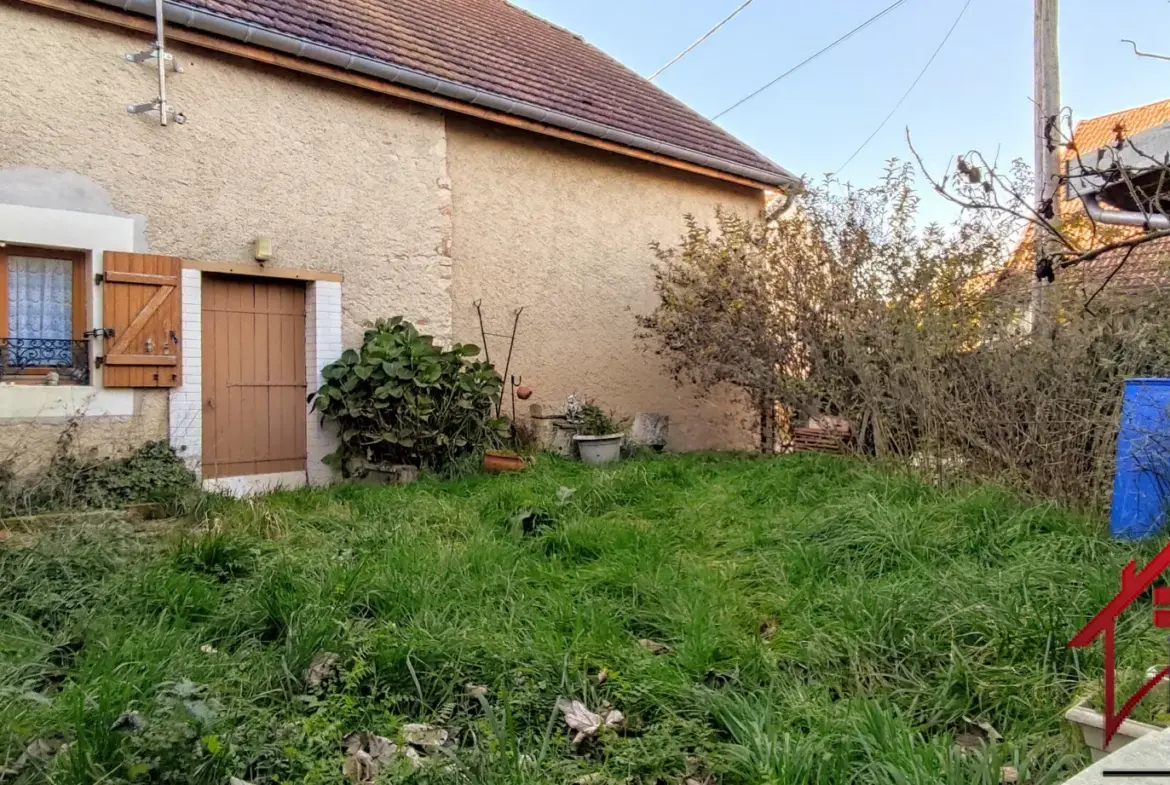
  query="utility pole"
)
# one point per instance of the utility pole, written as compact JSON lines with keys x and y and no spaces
{"x":1047,"y":141}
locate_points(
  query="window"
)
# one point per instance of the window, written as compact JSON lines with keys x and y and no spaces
{"x":43,"y":315}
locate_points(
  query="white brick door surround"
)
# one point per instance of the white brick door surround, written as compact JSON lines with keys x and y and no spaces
{"x":322,"y":346}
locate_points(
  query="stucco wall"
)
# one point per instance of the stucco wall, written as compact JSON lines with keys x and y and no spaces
{"x":386,"y":192}
{"x":563,"y":231}
{"x":341,"y":180}
{"x":27,"y":444}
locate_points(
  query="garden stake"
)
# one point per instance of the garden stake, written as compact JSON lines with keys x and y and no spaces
{"x":479,"y":313}
{"x":487,"y":355}
{"x":508,"y":362}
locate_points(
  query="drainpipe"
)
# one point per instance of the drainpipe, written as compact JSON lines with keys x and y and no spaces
{"x":1098,"y":213}
{"x":779,"y":206}
{"x":160,"y":49}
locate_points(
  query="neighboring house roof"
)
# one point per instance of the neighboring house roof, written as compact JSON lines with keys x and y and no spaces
{"x":1149,"y":265}
{"x":1101,"y":131}
{"x":486,"y":53}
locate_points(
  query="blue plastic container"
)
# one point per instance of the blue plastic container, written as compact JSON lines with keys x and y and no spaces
{"x":1141,"y":486}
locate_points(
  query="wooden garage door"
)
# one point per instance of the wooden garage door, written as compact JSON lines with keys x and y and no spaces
{"x":253,"y":376}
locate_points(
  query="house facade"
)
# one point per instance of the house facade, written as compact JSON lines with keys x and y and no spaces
{"x":135,"y":308}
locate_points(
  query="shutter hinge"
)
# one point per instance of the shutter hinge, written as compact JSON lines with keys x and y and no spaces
{"x":102,"y":332}
{"x":98,"y":278}
{"x":99,"y":361}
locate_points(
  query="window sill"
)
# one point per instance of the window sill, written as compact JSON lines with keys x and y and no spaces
{"x":39,"y":381}
{"x":52,"y":402}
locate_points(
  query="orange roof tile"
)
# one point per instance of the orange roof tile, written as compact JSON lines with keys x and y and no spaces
{"x":1089,"y":135}
{"x":1100,"y":131}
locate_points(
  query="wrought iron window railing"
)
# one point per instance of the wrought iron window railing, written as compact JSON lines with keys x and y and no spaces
{"x":32,"y":357}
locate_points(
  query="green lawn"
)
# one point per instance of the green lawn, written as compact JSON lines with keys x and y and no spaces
{"x":828,"y":622}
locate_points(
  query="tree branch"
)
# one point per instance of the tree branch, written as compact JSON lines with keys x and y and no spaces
{"x":1131,"y":242}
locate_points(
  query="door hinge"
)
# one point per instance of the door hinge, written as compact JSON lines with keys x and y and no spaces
{"x":100,"y":332}
{"x":99,"y":361}
{"x":98,"y":278}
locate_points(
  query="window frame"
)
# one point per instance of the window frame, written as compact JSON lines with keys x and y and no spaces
{"x":79,"y":293}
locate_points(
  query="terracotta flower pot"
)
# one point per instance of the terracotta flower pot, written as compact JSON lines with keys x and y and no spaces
{"x":500,"y":461}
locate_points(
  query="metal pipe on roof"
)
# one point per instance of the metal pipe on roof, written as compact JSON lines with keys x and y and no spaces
{"x":160,"y":52}
{"x":299,"y":47}
{"x":1095,"y":211}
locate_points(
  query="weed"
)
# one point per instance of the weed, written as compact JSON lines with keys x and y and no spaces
{"x":823,"y":620}
{"x":152,"y":473}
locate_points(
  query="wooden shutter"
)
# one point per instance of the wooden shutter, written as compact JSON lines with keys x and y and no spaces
{"x":140,"y":301}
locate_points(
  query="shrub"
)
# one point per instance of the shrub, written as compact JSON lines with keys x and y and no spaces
{"x":152,"y":473}
{"x":849,"y":308}
{"x":401,"y":399}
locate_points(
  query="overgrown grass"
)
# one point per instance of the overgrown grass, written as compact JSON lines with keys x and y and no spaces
{"x":828,"y":622}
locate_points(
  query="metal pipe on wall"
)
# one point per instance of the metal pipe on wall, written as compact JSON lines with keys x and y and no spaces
{"x":160,"y":50}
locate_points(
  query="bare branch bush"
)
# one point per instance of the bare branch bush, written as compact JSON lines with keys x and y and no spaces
{"x":849,"y":308}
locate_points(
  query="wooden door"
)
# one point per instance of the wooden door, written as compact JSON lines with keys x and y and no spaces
{"x":253,"y":376}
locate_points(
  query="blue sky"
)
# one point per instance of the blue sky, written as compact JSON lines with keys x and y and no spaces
{"x":977,"y":94}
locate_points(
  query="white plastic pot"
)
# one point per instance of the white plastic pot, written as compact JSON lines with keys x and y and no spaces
{"x":1092,"y":725}
{"x":596,"y":450}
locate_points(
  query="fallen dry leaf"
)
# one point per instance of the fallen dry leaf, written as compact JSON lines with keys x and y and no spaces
{"x":989,"y":732}
{"x":476,"y":690}
{"x":365,"y":755}
{"x":207,"y":648}
{"x":422,"y":735}
{"x":128,"y":722}
{"x":588,"y":723}
{"x":414,"y":756}
{"x":969,"y":741}
{"x":976,"y":735}
{"x":654,"y":647}
{"x":358,"y":767}
{"x":1008,"y":775}
{"x":321,"y":670}
{"x":603,"y":676}
{"x":768,"y":629}
{"x":579,"y":718}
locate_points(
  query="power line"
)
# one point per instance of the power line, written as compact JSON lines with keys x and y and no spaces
{"x":812,"y":57}
{"x":702,"y":38}
{"x":909,"y":90}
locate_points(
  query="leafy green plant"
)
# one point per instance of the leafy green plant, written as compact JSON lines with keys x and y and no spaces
{"x":152,"y":473}
{"x":591,"y":420}
{"x":401,"y":399}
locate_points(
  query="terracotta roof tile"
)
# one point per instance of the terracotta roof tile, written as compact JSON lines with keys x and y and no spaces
{"x":494,"y":46}
{"x":1101,"y":131}
{"x":1089,"y":135}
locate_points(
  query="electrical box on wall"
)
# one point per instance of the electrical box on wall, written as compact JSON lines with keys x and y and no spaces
{"x":262,"y":249}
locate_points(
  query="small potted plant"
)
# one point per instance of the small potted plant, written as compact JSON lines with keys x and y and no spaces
{"x":598,"y":435}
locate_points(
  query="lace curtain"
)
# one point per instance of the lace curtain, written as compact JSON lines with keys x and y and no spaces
{"x":40,"y":306}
